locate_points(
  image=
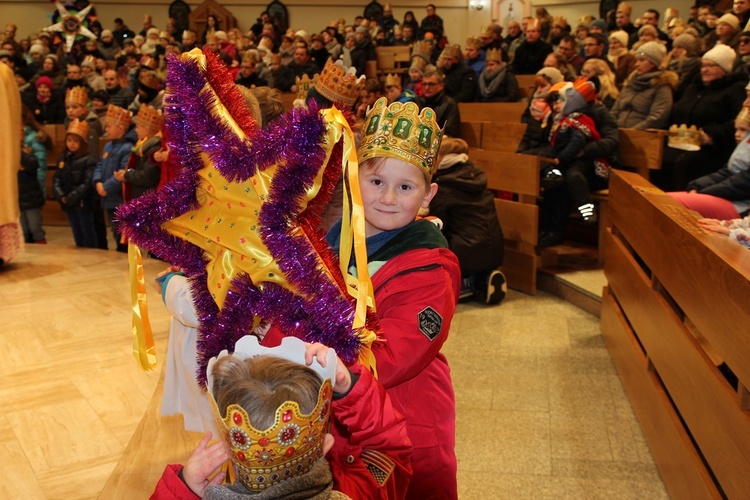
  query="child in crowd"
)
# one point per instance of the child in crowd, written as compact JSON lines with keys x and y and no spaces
{"x":251,"y":388}
{"x":143,"y":170}
{"x":30,"y":198}
{"x":416,"y":280}
{"x":72,"y":185}
{"x":114,"y":157}
{"x":467,"y":211}
{"x":415,"y":81}
{"x":724,"y":194}
{"x":76,"y":108}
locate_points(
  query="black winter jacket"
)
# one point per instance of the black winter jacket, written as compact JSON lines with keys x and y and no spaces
{"x":73,"y":181}
{"x":29,"y":193}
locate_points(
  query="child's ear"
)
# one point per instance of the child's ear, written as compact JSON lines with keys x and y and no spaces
{"x":429,"y":194}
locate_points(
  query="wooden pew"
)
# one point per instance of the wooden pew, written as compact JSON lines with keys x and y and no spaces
{"x":675,"y":306}
{"x":526,"y":87}
{"x":392,"y":59}
{"x":505,"y":112}
{"x":517,"y":174}
{"x":502,"y":136}
{"x":287,"y":99}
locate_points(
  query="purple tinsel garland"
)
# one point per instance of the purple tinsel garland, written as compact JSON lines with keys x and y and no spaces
{"x":320,"y":311}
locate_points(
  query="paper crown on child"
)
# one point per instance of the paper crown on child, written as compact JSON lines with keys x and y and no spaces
{"x":392,"y":80}
{"x":304,"y":84}
{"x":743,"y":115}
{"x":420,"y":53}
{"x":149,"y":117}
{"x":684,"y":137}
{"x":77,"y":95}
{"x":338,"y":84}
{"x":452,"y":51}
{"x":290,"y":447}
{"x":401,"y":131}
{"x":79,"y":128}
{"x":118,"y":116}
{"x":493,"y":55}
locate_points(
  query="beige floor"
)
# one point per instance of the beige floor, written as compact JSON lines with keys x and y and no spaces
{"x":541,"y":411}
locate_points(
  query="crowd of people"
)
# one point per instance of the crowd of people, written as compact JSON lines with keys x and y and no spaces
{"x":590,"y":80}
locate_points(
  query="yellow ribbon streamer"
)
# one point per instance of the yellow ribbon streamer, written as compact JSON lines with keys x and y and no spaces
{"x":144,"y":349}
{"x":353,"y":235}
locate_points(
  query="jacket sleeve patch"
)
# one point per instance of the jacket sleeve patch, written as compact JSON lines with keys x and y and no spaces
{"x":379,"y":464}
{"x":430,"y":322}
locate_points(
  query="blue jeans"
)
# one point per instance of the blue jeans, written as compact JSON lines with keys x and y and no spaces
{"x":31,"y":222}
{"x":84,"y":232}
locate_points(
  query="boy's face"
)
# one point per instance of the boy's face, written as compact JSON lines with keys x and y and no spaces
{"x":114,"y":131}
{"x":98,"y":104}
{"x":75,"y":110}
{"x":392,"y":194}
{"x":72,"y":143}
{"x":741,"y":129}
{"x":141,"y":131}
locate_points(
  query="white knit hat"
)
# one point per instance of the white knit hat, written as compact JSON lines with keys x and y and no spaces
{"x":731,"y":20}
{"x":621,"y":36}
{"x":723,"y":55}
{"x":653,"y":52}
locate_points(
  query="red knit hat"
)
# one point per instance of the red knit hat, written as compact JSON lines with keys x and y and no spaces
{"x":44,"y":80}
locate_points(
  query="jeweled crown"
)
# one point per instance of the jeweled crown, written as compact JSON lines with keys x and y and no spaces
{"x":77,"y":95}
{"x":79,"y":128}
{"x":401,"y":131}
{"x":339,"y":85}
{"x":149,"y":117}
{"x":684,"y":137}
{"x":291,"y":446}
{"x":304,"y":84}
{"x":118,"y":116}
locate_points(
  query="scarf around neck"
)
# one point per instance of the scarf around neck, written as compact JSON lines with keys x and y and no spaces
{"x":490,"y":82}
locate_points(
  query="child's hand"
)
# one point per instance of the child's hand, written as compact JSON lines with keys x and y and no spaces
{"x":120,"y":175}
{"x":343,"y":381}
{"x":202,"y":463}
{"x":100,"y":189}
{"x":162,"y":155}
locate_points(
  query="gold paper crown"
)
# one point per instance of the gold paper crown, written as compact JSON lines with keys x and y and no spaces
{"x":292,"y":445}
{"x":474,"y":42}
{"x":452,"y":50}
{"x":401,"y":131}
{"x":79,"y":128}
{"x":339,"y":85}
{"x":392,"y":80}
{"x":304,"y":84}
{"x":77,"y":95}
{"x":149,"y":117}
{"x":684,"y":137}
{"x":118,"y":116}
{"x":493,"y":55}
{"x":744,"y":114}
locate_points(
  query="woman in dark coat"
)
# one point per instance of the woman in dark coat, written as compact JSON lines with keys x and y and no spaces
{"x":497,"y":83}
{"x":711,"y":103}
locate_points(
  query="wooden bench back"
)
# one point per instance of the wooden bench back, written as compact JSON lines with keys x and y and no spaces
{"x":526,"y":86}
{"x":393,"y":59}
{"x":642,"y":150}
{"x":56,"y":133}
{"x":287,"y":99}
{"x":502,"y":136}
{"x":504,"y":112}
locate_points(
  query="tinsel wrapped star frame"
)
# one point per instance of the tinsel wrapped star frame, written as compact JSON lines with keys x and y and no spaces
{"x":241,"y":218}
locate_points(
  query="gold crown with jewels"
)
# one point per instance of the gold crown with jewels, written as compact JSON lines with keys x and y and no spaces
{"x":339,"y":85}
{"x":684,"y":137}
{"x":290,"y":447}
{"x":77,"y":95}
{"x":401,"y":131}
{"x":304,"y":84}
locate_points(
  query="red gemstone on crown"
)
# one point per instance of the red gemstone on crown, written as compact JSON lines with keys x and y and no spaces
{"x":237,"y":417}
{"x":263,"y":441}
{"x":287,"y":416}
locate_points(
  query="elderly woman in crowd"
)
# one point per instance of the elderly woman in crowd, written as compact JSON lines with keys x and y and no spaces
{"x":646,"y":98}
{"x":618,"y":55}
{"x":710,"y":103}
{"x":685,"y":60}
{"x":608,"y":91}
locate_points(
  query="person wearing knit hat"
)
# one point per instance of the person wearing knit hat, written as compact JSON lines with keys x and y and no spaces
{"x":598,"y":26}
{"x":415,"y":80}
{"x":688,"y":43}
{"x":622,"y":60}
{"x":710,"y":104}
{"x":684,"y":59}
{"x":47,"y":105}
{"x":550,"y":75}
{"x":728,"y":30}
{"x":645,"y":100}
{"x":71,"y":184}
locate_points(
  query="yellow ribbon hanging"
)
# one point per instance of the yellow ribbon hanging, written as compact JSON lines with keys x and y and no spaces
{"x":353,"y":235}
{"x":144,"y":349}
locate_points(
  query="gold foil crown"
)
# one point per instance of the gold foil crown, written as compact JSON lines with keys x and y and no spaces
{"x":77,"y":95}
{"x":401,"y":131}
{"x":452,"y":50}
{"x":493,"y":55}
{"x":339,"y":85}
{"x":118,"y":116}
{"x":392,"y":80}
{"x":149,"y":117}
{"x":743,"y":115}
{"x":304,"y":84}
{"x":420,"y":53}
{"x":684,"y":137}
{"x":474,"y":42}
{"x":79,"y":128}
{"x":294,"y":442}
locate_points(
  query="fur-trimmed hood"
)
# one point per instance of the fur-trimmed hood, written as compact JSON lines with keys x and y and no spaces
{"x":653,"y":79}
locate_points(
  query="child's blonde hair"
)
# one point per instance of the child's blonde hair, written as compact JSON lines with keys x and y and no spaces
{"x":261,"y":385}
{"x":375,"y":164}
